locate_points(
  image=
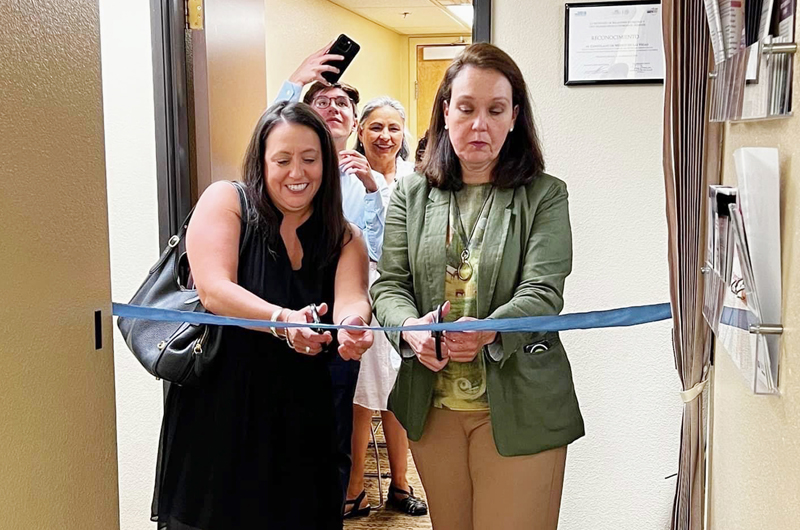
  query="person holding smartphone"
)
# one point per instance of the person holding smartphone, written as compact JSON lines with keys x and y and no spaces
{"x":365,"y":196}
{"x":365,"y":193}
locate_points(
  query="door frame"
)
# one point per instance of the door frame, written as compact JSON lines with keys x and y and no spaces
{"x":171,"y":97}
{"x":172,"y":112}
{"x":482,"y":21}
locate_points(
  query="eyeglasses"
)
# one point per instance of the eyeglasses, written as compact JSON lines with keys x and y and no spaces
{"x":323,"y":102}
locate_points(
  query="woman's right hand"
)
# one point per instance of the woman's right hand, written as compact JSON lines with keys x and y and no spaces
{"x":422,"y":342}
{"x":303,"y":339}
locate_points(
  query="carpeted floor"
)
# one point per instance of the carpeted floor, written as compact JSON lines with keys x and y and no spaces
{"x":383,"y":518}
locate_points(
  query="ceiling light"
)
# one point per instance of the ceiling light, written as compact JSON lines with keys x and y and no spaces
{"x":464,"y":12}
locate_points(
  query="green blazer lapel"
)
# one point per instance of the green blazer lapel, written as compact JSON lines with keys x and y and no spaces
{"x":432,"y":245}
{"x":494,"y":242}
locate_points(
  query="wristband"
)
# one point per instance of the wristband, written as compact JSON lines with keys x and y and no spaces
{"x":286,"y":333}
{"x":274,"y":318}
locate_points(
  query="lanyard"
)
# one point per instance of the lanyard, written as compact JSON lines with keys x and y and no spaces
{"x":465,"y":269}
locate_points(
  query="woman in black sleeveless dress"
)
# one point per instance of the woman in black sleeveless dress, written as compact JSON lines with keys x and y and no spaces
{"x":253,"y":447}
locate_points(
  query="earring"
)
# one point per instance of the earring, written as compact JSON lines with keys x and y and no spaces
{"x":445,"y":126}
{"x":511,"y":129}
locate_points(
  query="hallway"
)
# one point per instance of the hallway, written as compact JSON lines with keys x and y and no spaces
{"x":388,"y":519}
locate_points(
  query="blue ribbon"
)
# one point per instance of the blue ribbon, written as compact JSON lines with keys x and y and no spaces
{"x":624,"y":316}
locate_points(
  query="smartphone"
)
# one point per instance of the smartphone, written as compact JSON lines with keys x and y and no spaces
{"x":346,"y":47}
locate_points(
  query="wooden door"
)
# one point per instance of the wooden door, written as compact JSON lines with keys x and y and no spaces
{"x":429,"y":76}
{"x":230,"y":86}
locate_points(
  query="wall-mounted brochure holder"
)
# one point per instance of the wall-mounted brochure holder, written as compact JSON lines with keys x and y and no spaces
{"x":740,"y":291}
{"x":753,"y":45}
{"x":755,"y":83}
{"x":717,"y":267}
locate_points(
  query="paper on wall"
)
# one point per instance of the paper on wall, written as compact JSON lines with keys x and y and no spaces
{"x":715,"y":30}
{"x":732,"y":17}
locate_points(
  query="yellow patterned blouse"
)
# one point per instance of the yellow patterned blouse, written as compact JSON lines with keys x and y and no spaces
{"x":462,"y":386}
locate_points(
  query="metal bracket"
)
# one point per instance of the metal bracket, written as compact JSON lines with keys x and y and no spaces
{"x":194,"y":14}
{"x":779,"y":47}
{"x":766,"y":329}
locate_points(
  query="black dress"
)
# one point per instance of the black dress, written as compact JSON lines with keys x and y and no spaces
{"x":253,"y":447}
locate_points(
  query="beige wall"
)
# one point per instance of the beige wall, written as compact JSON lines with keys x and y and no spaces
{"x":57,"y":440}
{"x":605,"y":142}
{"x":755,"y":466}
{"x":296,"y":29}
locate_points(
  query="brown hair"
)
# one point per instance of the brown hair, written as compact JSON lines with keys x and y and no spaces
{"x":328,"y":200}
{"x":520,"y":158}
{"x":420,"y":153}
{"x":318,"y":87}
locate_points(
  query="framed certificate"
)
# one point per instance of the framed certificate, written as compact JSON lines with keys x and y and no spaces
{"x":613,"y":43}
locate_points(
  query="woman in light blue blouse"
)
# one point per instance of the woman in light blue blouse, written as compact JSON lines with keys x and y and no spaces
{"x":382,"y":138}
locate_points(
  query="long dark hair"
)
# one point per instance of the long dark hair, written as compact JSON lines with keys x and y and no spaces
{"x":520,"y":158}
{"x":327,"y":202}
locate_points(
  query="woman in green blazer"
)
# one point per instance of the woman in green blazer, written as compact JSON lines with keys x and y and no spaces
{"x":484,"y":232}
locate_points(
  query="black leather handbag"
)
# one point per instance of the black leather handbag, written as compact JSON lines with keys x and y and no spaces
{"x":176,"y":351}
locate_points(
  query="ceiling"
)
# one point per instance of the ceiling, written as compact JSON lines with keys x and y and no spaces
{"x":409,"y":17}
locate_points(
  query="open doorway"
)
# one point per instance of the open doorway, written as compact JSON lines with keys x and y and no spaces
{"x":429,"y":57}
{"x":181,"y":75}
{"x":201,"y":127}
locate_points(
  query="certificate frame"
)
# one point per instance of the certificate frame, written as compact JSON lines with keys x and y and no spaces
{"x":571,"y":49}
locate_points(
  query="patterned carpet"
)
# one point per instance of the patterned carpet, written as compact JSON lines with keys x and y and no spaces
{"x":384,"y":518}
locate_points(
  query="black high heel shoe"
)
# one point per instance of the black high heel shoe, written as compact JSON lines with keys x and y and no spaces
{"x":406,"y":502}
{"x":355,"y":511}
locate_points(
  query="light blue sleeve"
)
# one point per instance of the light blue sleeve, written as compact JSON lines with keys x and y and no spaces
{"x":375,"y":217}
{"x":289,"y":92}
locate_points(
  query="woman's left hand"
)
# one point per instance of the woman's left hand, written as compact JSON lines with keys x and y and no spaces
{"x":353,"y":343}
{"x":464,"y":346}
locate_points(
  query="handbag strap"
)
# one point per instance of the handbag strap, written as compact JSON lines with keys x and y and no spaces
{"x":244,"y":206}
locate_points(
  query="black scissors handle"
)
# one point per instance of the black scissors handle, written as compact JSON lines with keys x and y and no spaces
{"x":437,"y":335}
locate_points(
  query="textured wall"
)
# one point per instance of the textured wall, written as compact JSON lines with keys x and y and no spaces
{"x":57,"y":444}
{"x":605,"y":142}
{"x":297,"y":28}
{"x":755,"y":466}
{"x":133,"y":238}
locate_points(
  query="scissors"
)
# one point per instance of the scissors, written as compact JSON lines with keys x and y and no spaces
{"x":437,"y":335}
{"x":315,"y":317}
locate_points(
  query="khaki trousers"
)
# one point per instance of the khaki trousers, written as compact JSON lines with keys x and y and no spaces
{"x":469,"y":486}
